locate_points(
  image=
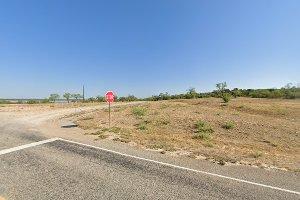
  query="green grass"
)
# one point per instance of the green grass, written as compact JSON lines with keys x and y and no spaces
{"x":143,"y":125}
{"x":139,"y":112}
{"x":228,"y":126}
{"x":202,"y":131}
{"x":202,"y":127}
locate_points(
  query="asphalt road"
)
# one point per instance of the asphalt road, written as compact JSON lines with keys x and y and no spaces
{"x":65,"y":170}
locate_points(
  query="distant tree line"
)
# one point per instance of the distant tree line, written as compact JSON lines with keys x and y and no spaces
{"x":289,"y":91}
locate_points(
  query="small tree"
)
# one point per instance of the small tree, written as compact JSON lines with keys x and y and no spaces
{"x":191,"y":92}
{"x":222,"y":91}
{"x":101,"y":99}
{"x":68,"y":96}
{"x":77,"y":96}
{"x":53,"y":97}
{"x":236,"y":92}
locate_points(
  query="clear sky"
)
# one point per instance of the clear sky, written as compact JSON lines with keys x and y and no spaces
{"x":144,"y":47}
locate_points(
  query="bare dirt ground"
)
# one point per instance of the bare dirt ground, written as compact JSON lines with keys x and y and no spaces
{"x":259,"y":132}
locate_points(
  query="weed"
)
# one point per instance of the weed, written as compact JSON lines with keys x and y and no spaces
{"x":202,"y":131}
{"x":222,"y":162}
{"x":115,"y":129}
{"x":163,"y":122}
{"x":139,"y":111}
{"x":228,"y":126}
{"x":202,"y":127}
{"x":143,"y":125}
{"x":201,"y":136}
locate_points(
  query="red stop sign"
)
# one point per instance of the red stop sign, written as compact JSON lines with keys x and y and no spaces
{"x":110,"y":96}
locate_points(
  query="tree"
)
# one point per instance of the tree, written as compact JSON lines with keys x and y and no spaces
{"x":223,"y":92}
{"x":101,"y":99}
{"x":68,"y":96}
{"x":53,"y":97}
{"x":77,"y":96}
{"x":236,"y":92}
{"x":191,"y":93}
{"x":288,"y":86}
{"x":221,"y":87}
{"x":132,"y":98}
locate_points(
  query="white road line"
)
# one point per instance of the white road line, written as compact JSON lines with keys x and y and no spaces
{"x":185,"y":168}
{"x":6,"y":151}
{"x":25,"y":146}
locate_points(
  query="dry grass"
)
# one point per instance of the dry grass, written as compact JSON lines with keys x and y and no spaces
{"x":250,"y":131}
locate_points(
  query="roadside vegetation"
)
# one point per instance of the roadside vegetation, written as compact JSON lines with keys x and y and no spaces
{"x":289,"y":91}
{"x":262,"y":132}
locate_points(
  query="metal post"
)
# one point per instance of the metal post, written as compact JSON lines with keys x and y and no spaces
{"x":109,"y":114}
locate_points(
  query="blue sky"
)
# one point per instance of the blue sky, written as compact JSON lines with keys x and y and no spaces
{"x":144,"y":47}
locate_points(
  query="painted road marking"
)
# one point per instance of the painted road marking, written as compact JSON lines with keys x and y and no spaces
{"x":184,"y":168}
{"x":18,"y":148}
{"x":2,"y":152}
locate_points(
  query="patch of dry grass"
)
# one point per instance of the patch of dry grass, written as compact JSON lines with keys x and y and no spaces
{"x":248,"y":130}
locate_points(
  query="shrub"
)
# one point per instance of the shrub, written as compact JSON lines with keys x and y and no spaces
{"x":33,"y":101}
{"x":139,"y":111}
{"x":228,"y":126}
{"x":226,"y":98}
{"x":202,"y":131}
{"x":143,"y":125}
{"x":203,"y":127}
{"x":222,"y":162}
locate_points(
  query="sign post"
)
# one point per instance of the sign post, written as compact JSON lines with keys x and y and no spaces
{"x":110,"y":97}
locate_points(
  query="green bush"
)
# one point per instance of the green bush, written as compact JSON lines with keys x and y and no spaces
{"x":32,"y":101}
{"x":203,"y":127}
{"x":203,"y":130}
{"x":226,"y":98}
